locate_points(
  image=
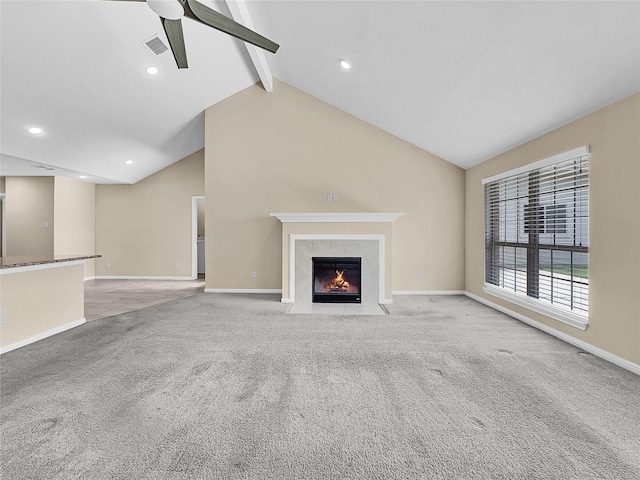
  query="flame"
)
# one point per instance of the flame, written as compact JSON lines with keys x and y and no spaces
{"x":339,"y":283}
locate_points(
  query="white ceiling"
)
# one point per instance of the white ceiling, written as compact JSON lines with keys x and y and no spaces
{"x":462,"y":80}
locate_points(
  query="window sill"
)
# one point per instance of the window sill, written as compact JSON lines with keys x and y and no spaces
{"x":574,"y":320}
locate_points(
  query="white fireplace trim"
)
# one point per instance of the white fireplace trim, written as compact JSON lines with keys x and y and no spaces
{"x":336,"y":217}
{"x":292,"y":260}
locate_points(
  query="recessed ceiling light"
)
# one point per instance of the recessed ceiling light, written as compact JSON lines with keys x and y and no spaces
{"x":35,"y":130}
{"x":128,"y":162}
{"x":152,"y":70}
{"x":82,"y":176}
{"x":344,"y":64}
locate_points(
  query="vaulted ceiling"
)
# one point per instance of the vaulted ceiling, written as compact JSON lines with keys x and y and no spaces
{"x":462,"y":80}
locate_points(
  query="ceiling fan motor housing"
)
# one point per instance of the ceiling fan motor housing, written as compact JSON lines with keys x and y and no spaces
{"x":170,"y":9}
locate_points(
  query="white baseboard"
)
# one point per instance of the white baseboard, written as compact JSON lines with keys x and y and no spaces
{"x":428,"y":292}
{"x":42,"y":335}
{"x":242,"y":290}
{"x":143,"y":277}
{"x":86,"y":279}
{"x":587,"y":347}
{"x":286,"y":300}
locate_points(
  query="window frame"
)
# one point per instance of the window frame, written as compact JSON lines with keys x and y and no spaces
{"x":543,"y":307}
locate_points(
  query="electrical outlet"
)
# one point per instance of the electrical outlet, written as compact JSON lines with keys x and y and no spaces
{"x":46,"y":225}
{"x":108,"y":264}
{"x":329,"y":198}
{"x":334,"y":198}
{"x":254,"y":275}
{"x":3,"y":317}
{"x":175,"y":264}
{"x":420,"y":275}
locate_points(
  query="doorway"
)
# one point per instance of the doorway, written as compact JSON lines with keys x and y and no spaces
{"x":198,"y":237}
{"x":3,"y":242}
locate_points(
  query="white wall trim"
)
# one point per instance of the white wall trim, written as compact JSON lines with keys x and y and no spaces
{"x":142,"y":277}
{"x":576,"y":152}
{"x":336,"y":217}
{"x":428,"y":292}
{"x":242,"y":290}
{"x":330,"y":236}
{"x":86,"y":279}
{"x":39,"y":266}
{"x":587,"y":347}
{"x":42,"y":335}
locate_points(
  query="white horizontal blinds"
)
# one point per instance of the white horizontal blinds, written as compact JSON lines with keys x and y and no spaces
{"x":537,"y":235}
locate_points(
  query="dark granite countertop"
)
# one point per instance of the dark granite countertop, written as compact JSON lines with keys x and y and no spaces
{"x":29,"y":260}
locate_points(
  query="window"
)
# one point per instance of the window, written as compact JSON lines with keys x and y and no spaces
{"x":556,"y":219}
{"x":537,"y":236}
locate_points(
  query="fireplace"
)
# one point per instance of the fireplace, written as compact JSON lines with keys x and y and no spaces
{"x":336,"y":279}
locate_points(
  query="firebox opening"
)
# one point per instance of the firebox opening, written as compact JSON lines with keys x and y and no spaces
{"x":336,"y":279}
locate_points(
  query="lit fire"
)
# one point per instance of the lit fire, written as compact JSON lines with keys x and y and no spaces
{"x":339,"y":283}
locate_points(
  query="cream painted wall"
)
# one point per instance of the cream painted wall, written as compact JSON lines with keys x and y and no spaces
{"x":75,"y":220}
{"x":29,"y":205}
{"x":613,"y":134}
{"x":285,"y":151}
{"x":39,"y":300}
{"x":143,"y":229}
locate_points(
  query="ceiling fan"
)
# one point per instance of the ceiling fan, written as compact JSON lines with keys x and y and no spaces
{"x":172,"y":11}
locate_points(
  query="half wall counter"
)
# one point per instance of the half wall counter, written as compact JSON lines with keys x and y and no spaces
{"x":39,"y":297}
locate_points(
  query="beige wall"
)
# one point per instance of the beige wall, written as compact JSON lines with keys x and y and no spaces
{"x":613,"y":135}
{"x":75,"y":220}
{"x":143,"y":229}
{"x":29,"y":205}
{"x":33,"y":302}
{"x":285,"y":151}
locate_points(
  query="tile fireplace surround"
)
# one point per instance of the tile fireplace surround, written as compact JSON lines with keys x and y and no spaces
{"x":366,"y":235}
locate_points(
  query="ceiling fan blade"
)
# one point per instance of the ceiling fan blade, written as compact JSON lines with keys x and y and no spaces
{"x":173,"y":29}
{"x":203,"y":14}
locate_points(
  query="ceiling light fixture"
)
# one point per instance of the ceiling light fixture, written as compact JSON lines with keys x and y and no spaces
{"x":344,"y":64}
{"x":128,"y":162}
{"x":35,"y":130}
{"x":82,"y":176}
{"x":152,"y":70}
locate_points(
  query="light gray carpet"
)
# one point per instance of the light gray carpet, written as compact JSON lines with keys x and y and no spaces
{"x":230,"y":387}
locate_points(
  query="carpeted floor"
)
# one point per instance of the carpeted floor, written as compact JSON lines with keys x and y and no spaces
{"x":230,"y":387}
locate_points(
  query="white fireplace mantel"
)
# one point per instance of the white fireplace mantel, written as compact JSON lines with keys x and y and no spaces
{"x":336,"y":217}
